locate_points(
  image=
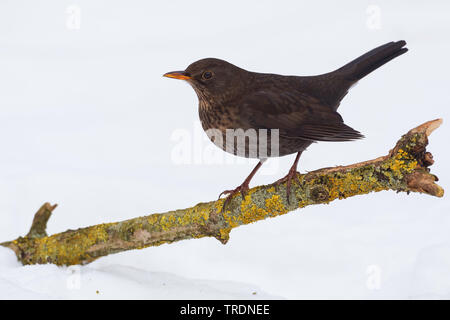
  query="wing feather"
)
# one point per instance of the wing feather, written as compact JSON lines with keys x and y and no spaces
{"x":296,"y":115}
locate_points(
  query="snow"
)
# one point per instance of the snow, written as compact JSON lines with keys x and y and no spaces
{"x":87,"y":121}
{"x":113,"y":281}
{"x":430,"y":276}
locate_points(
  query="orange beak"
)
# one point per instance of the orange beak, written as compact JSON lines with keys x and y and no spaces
{"x":178,"y":75}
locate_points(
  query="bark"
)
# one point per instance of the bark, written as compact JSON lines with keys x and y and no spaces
{"x":403,"y":169}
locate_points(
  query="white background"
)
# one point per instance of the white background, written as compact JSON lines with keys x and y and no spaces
{"x":86,"y":121}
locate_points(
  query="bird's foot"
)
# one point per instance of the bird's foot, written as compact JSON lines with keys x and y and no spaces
{"x":243,"y":188}
{"x":288,"y":179}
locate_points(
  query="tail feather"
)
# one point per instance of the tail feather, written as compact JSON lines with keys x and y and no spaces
{"x":372,"y":60}
{"x":332,"y":87}
{"x":328,"y":132}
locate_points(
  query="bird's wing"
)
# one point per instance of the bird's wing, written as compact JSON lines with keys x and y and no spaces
{"x":296,"y":115}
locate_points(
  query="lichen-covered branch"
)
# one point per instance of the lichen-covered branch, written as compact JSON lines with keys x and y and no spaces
{"x":405,"y":169}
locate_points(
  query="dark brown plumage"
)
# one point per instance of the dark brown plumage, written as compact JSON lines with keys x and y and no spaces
{"x":302,"y":108}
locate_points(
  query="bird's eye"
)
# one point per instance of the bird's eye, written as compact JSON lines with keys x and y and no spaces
{"x":207,"y":75}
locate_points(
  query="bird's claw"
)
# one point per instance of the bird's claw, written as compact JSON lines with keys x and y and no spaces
{"x":288,"y":179}
{"x":243,"y":188}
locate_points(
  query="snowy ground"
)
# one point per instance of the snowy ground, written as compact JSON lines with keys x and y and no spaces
{"x":111,"y":281}
{"x":87,"y":121}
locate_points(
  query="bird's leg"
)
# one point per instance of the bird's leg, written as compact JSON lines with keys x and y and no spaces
{"x":243,"y":188}
{"x":291,"y":174}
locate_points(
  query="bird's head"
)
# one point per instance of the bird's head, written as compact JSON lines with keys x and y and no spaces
{"x":213,"y":80}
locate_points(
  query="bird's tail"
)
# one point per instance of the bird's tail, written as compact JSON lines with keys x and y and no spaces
{"x":372,"y":60}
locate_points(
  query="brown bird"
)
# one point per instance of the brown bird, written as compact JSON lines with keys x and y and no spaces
{"x":278,"y":114}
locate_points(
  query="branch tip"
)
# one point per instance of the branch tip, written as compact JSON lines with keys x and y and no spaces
{"x":428,"y":127}
{"x":39,"y":224}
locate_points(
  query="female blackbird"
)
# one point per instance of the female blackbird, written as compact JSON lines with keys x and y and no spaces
{"x":274,"y":115}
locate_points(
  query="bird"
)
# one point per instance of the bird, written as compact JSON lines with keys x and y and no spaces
{"x":292,"y":111}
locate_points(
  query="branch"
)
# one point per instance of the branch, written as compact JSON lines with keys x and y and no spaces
{"x":405,"y":169}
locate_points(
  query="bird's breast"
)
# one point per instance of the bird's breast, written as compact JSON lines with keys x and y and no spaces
{"x":248,"y":142}
{"x":219,"y":117}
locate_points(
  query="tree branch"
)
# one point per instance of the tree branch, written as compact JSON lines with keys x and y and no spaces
{"x":405,"y":169}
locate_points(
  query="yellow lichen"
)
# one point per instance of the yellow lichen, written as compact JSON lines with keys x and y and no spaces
{"x":271,"y":190}
{"x":70,"y":250}
{"x":152,"y":219}
{"x":275,"y":206}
